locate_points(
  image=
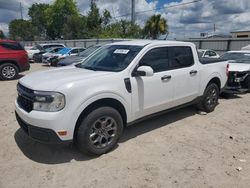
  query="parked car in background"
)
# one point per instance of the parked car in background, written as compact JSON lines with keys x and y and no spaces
{"x":38,"y":57}
{"x":246,"y":47}
{"x":119,"y":84}
{"x":65,"y":52}
{"x":13,"y":59}
{"x":31,"y":51}
{"x":207,"y":54}
{"x":41,"y":48}
{"x":239,"y":70}
{"x":77,"y":59}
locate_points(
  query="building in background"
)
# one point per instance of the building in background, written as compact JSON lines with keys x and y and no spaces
{"x":240,"y":34}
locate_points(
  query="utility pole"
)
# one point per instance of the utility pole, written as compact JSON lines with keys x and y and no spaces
{"x":21,"y":10}
{"x":133,"y":11}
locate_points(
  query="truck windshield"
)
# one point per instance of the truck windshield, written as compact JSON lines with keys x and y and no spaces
{"x":112,"y":58}
{"x":89,"y":51}
{"x":237,"y":57}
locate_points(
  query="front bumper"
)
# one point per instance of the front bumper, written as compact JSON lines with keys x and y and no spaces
{"x":45,"y":126}
{"x":237,"y":82}
{"x":234,"y":90}
{"x":39,"y":134}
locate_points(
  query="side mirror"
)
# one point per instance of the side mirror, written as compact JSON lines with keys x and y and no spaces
{"x":143,"y":71}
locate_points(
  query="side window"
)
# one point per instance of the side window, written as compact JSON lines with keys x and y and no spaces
{"x":11,"y":46}
{"x":181,"y":57}
{"x":74,"y":51}
{"x":157,"y":59}
{"x":207,"y":53}
{"x":211,"y":53}
{"x":57,"y":49}
{"x":81,"y":50}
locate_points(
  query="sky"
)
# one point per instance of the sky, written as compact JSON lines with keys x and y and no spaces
{"x":183,"y":21}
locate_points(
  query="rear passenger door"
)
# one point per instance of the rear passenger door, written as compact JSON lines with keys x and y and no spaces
{"x":155,"y":93}
{"x":185,"y":74}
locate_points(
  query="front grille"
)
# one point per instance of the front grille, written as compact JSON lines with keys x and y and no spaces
{"x":25,"y":97}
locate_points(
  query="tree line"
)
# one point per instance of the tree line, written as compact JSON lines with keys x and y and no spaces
{"x":62,"y":20}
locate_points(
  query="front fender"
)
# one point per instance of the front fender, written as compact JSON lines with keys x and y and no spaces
{"x":99,"y":96}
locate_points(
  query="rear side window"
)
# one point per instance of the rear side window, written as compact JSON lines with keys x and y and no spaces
{"x":157,"y":59}
{"x":182,"y":57}
{"x":11,"y":45}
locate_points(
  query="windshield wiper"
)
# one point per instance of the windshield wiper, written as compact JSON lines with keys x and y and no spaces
{"x":94,"y":68}
{"x":89,"y":68}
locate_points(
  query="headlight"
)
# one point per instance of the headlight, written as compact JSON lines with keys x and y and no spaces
{"x":48,"y":101}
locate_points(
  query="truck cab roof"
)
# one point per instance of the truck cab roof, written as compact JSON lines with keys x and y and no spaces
{"x":151,"y":42}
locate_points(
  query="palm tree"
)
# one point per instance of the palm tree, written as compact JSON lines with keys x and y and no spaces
{"x":155,"y":26}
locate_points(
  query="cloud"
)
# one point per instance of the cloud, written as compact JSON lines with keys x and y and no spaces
{"x":189,"y":20}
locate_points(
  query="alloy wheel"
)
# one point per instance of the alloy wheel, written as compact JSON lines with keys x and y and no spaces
{"x":103,"y":132}
{"x":8,"y":72}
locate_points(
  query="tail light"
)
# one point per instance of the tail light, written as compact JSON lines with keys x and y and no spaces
{"x":227,"y":70}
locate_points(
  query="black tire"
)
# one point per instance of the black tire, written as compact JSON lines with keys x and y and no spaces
{"x":246,"y":83}
{"x":8,"y":71}
{"x":93,"y":131}
{"x":210,"y":98}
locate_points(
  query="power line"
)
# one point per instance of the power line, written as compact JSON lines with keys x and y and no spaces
{"x":133,"y":11}
{"x":21,"y":10}
{"x":168,"y":7}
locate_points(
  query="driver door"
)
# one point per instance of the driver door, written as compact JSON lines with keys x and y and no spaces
{"x":153,"y":93}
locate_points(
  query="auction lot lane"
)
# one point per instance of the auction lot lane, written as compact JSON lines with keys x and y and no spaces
{"x":178,"y":149}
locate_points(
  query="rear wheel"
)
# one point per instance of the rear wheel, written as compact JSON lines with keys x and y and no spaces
{"x":210,"y":98}
{"x":99,"y":131}
{"x":8,"y":71}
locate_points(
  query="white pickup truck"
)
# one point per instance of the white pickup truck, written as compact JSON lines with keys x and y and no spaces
{"x":118,"y":84}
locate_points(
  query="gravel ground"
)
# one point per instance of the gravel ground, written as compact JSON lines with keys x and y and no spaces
{"x":178,"y":149}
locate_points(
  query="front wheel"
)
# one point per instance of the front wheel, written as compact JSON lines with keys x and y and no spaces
{"x":8,"y":71}
{"x":210,"y":98}
{"x":99,"y":131}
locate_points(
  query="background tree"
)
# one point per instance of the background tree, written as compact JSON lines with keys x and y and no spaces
{"x":122,"y":29}
{"x":2,"y":36}
{"x":20,"y":29}
{"x":94,"y":20}
{"x":75,"y":27}
{"x":37,"y":13}
{"x":62,"y":19}
{"x":155,"y":26}
{"x":57,"y":16}
{"x":106,"y":17}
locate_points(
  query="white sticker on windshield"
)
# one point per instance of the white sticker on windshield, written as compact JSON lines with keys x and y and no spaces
{"x":121,"y":51}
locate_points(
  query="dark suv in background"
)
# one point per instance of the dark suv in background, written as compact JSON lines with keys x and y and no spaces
{"x":13,"y":59}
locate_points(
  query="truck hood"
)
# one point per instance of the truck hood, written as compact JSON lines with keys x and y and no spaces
{"x":50,"y":80}
{"x":239,"y":67}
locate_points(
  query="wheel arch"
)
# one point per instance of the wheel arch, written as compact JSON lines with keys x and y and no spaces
{"x":11,"y":61}
{"x":215,"y":80}
{"x":111,"y":102}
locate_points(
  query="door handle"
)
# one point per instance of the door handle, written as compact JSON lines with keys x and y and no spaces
{"x":166,"y":77}
{"x":193,"y":72}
